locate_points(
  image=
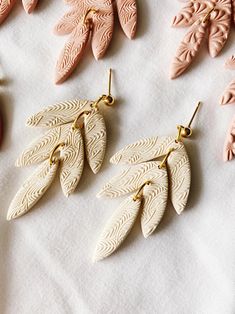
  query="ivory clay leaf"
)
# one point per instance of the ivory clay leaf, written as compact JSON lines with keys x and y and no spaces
{"x":145,"y":150}
{"x":229,"y":145}
{"x":179,"y":178}
{"x":95,"y":139}
{"x":72,"y":161}
{"x":117,"y":228}
{"x":188,"y":48}
{"x":127,"y":13}
{"x":58,"y":114}
{"x":32,"y":190}
{"x":229,"y":94}
{"x":41,"y":149}
{"x":154,"y":203}
{"x":132,"y":178}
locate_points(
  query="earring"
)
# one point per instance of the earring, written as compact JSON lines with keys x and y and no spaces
{"x":228,"y":97}
{"x":92,"y":19}
{"x":212,"y":15}
{"x":150,"y":181}
{"x":72,"y":125}
{"x":7,"y":5}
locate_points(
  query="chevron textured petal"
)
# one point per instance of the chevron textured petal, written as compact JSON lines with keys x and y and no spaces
{"x":154,"y":203}
{"x":69,"y":22}
{"x":230,"y":63}
{"x":40,"y":149}
{"x":72,"y":52}
{"x":219,"y":29}
{"x":5,"y":8}
{"x":188,"y":48}
{"x":95,"y":139}
{"x":102,"y":32}
{"x":117,"y":228}
{"x":144,"y":150}
{"x":58,"y":114}
{"x":127,"y":12}
{"x":229,"y":94}
{"x":32,"y":190}
{"x":72,"y":161}
{"x":229,"y":145}
{"x":132,"y":178}
{"x":180,"y":178}
{"x":29,"y":5}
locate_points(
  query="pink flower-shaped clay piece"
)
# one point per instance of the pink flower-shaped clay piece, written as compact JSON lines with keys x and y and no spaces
{"x":7,"y":5}
{"x":94,"y":20}
{"x":218,"y":13}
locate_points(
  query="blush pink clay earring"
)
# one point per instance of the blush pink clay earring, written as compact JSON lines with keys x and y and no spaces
{"x":151,"y":181}
{"x":7,"y":5}
{"x":94,"y":20}
{"x":211,"y":19}
{"x":74,"y":126}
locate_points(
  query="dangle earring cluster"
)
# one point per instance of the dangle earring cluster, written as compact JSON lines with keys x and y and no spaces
{"x":94,"y":20}
{"x":76,"y":128}
{"x":211,"y":20}
{"x":151,"y":181}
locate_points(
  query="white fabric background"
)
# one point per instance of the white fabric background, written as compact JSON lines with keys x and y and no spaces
{"x":188,"y":265}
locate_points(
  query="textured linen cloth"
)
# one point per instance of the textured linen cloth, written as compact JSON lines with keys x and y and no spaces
{"x":188,"y":264}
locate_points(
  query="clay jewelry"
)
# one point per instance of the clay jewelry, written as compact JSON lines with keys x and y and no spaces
{"x":214,"y":16}
{"x":92,"y":19}
{"x":150,"y":181}
{"x":7,"y":5}
{"x":72,"y":125}
{"x":228,"y":97}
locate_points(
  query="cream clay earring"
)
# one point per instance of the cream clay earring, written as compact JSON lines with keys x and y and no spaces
{"x":151,"y":181}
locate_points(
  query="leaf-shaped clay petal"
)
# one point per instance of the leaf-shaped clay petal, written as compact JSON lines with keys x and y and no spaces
{"x":220,"y":22}
{"x":127,"y":13}
{"x":72,"y":52}
{"x":229,"y":94}
{"x":102,"y":31}
{"x":155,"y":197}
{"x":5,"y":8}
{"x":144,"y":150}
{"x":32,"y":190}
{"x":95,"y":139}
{"x":41,"y":149}
{"x":188,"y":48}
{"x":117,"y":228}
{"x":29,"y":5}
{"x":68,"y":23}
{"x":132,"y":178}
{"x":58,"y":114}
{"x":72,"y":161}
{"x":192,"y":11}
{"x":229,"y":145}
{"x":179,"y":178}
{"x":230,"y":63}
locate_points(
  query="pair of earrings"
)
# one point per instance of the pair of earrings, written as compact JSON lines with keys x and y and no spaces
{"x":77,"y":128}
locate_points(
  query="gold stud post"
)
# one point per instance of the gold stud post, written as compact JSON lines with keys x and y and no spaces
{"x":110,"y":82}
{"x":194,"y":114}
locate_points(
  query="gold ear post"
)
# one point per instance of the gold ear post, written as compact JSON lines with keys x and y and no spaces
{"x":187,"y":131}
